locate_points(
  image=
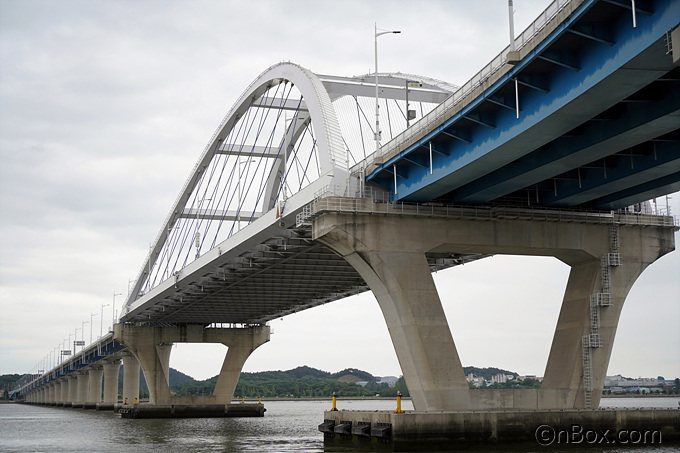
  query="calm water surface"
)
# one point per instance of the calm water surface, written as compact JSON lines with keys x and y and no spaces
{"x":288,"y":426}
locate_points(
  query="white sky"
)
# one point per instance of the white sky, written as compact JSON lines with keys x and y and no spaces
{"x":106,"y":106}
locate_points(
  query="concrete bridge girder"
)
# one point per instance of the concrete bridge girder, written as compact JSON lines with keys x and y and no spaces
{"x":389,"y":253}
{"x":150,"y":348}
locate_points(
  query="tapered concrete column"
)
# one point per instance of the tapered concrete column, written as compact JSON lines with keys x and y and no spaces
{"x":402,"y":283}
{"x":57,"y":392}
{"x":130,"y":379}
{"x":239,"y":350}
{"x":62,"y":394}
{"x":111,"y":370}
{"x":94,"y":391}
{"x":638,"y":248}
{"x":83,"y":380}
{"x":72,"y":389}
{"x":152,"y":346}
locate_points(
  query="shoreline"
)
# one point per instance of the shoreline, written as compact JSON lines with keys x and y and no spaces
{"x":646,"y":395}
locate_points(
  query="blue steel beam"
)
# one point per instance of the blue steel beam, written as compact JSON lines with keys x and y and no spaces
{"x":626,"y":169}
{"x":646,"y":191}
{"x":636,"y":124}
{"x":615,"y":62}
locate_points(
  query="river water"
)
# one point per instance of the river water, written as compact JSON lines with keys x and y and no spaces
{"x":288,"y":426}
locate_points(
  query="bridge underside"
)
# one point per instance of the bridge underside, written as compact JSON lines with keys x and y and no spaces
{"x":281,"y":276}
{"x":597,"y":123}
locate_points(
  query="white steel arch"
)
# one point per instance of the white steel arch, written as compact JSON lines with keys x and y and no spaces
{"x":317,"y":109}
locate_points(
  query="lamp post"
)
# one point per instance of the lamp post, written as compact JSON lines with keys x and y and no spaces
{"x":92,"y":315}
{"x":113,"y":309}
{"x":377,"y":107}
{"x":82,"y":333}
{"x":75,"y":340}
{"x":411,"y":114}
{"x":101,"y":322}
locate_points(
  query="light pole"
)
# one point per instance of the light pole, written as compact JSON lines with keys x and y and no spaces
{"x":75,"y":341}
{"x":82,"y":333}
{"x":377,"y":107}
{"x":70,"y":352}
{"x":113,"y":309}
{"x":411,"y":114}
{"x":92,"y":315}
{"x":101,"y":322}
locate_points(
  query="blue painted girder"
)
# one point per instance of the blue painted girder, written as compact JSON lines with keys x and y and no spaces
{"x":498,"y":158}
{"x":635,"y":123}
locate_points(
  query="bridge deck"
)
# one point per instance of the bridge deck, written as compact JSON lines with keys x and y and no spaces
{"x":597,"y":123}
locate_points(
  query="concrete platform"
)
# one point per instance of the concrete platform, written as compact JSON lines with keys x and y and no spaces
{"x":454,"y":430}
{"x":194,"y":411}
{"x":105,"y":406}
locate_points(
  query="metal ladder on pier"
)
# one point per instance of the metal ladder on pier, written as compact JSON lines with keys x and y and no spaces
{"x":597,"y":301}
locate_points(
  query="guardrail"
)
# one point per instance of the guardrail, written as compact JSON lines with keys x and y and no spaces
{"x":490,"y":213}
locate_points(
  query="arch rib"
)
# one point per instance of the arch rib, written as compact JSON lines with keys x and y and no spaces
{"x":332,"y":154}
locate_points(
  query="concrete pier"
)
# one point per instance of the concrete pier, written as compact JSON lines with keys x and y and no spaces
{"x":94,"y":391}
{"x":390,"y":253}
{"x":150,"y":347}
{"x":110,"y":394}
{"x":453,"y":430}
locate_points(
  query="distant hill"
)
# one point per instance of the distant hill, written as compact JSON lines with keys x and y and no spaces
{"x":179,"y":378}
{"x":303,"y":381}
{"x":353,"y":375}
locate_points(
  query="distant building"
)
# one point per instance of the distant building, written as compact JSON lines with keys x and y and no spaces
{"x":630,"y":384}
{"x":389,"y":380}
{"x":531,"y":376}
{"x":501,"y":378}
{"x":477,"y":381}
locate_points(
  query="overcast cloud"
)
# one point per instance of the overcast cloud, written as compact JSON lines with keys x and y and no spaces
{"x":106,"y":106}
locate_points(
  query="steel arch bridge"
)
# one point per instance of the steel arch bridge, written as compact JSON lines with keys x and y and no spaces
{"x":233,"y":250}
{"x":225,"y":252}
{"x":561,"y":120}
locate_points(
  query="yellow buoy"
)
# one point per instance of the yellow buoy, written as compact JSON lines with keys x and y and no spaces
{"x":398,"y":411}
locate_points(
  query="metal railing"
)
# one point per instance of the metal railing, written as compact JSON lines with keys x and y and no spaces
{"x":368,"y":205}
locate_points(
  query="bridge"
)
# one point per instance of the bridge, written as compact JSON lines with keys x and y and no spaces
{"x":553,"y":149}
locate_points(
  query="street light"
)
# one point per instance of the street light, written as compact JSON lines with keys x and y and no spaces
{"x":101,"y":322}
{"x":75,"y":341}
{"x":82,"y":332}
{"x":377,"y":107}
{"x":411,"y":114}
{"x":113,"y":309}
{"x":92,"y":315}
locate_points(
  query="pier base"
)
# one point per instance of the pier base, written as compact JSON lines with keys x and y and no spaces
{"x":192,"y":411}
{"x":448,"y":431}
{"x":104,"y":406}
